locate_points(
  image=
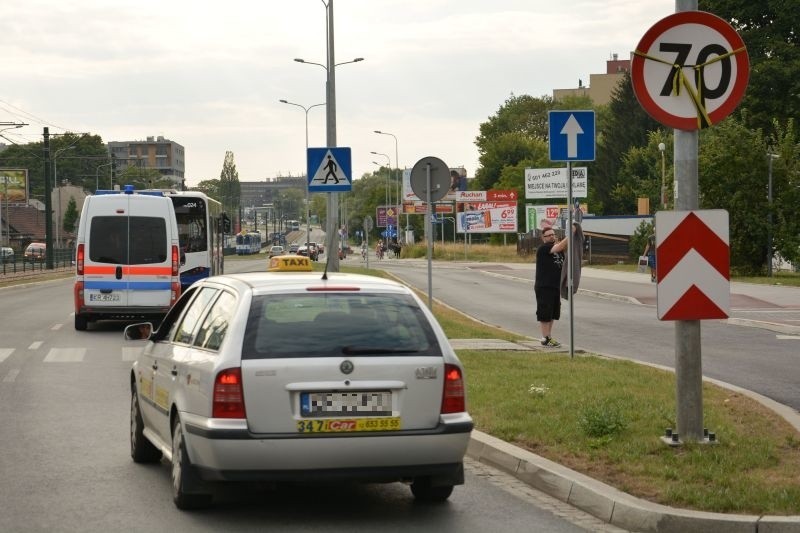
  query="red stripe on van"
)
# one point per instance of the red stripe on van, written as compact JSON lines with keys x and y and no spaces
{"x":130,"y":271}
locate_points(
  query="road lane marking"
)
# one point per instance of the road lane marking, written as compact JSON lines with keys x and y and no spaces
{"x":781,"y":337}
{"x":4,"y":353}
{"x":35,"y":345}
{"x":56,"y":327}
{"x":130,"y":354}
{"x":65,"y":355}
{"x":11,"y":376}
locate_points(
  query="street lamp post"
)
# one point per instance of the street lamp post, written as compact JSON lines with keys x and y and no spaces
{"x":330,"y":107}
{"x":770,"y":157}
{"x":397,"y":166}
{"x":308,"y":198}
{"x":97,"y":174}
{"x":55,"y":181}
{"x":662,"y":147}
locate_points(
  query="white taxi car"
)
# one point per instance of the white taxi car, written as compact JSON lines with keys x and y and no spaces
{"x":294,"y":375}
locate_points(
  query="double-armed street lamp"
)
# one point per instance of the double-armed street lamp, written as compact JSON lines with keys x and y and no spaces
{"x":330,"y":108}
{"x":397,"y":166}
{"x":308,"y":198}
{"x":55,"y":181}
{"x":388,"y":188}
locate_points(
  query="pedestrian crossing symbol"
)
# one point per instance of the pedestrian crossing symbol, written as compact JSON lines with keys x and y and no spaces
{"x":329,"y":170}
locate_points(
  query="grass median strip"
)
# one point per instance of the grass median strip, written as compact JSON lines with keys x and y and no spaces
{"x":604,"y":417}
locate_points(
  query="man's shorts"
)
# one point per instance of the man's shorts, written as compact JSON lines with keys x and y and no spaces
{"x":548,"y":304}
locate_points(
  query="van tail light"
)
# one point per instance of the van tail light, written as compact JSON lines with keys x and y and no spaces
{"x":176,"y":261}
{"x":79,"y":259}
{"x":453,"y":398}
{"x":228,"y":395}
{"x":78,"y":295}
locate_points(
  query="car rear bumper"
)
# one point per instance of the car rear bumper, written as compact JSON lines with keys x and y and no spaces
{"x":228,"y":452}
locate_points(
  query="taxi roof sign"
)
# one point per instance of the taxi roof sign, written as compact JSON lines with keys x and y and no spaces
{"x":289,"y":263}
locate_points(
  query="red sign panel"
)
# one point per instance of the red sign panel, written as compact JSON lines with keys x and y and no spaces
{"x":693,"y":264}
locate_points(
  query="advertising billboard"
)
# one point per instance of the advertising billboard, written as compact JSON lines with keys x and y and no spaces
{"x":486,"y":212}
{"x":543,"y":183}
{"x":13,"y":185}
{"x":458,"y":182}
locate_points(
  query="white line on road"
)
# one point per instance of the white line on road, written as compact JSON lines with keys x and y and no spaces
{"x":787,"y":337}
{"x":56,"y":327}
{"x":4,"y":353}
{"x":11,"y":376}
{"x":65,"y":355}
{"x":35,"y":345}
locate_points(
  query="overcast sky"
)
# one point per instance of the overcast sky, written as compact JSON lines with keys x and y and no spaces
{"x":209,"y":75}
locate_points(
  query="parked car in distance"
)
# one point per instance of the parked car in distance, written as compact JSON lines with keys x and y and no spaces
{"x":35,"y":252}
{"x":224,"y":391}
{"x":6,"y":255}
{"x":293,"y":248}
{"x":276,"y":250}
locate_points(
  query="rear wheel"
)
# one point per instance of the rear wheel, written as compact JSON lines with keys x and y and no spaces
{"x":423,"y":491}
{"x":142,"y":450}
{"x":186,"y":487}
{"x":81,"y":322}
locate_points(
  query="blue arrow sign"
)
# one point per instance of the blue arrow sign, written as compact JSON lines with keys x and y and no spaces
{"x":572,"y":135}
{"x":329,"y":170}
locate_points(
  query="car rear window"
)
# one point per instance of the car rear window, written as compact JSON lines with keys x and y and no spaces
{"x":109,"y":242}
{"x":336,"y":325}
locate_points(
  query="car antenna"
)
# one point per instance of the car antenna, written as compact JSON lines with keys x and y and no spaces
{"x":327,"y":262}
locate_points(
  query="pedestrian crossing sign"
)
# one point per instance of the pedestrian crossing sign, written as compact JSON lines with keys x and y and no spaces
{"x":329,"y":170}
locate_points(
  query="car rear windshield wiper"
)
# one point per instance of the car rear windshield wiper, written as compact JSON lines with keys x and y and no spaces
{"x":358,"y":350}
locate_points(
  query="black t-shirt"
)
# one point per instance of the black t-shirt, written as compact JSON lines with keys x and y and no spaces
{"x":548,"y":267}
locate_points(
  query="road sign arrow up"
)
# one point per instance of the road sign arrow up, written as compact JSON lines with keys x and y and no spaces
{"x":572,"y":129}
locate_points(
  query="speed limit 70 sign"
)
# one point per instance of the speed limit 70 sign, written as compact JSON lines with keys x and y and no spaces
{"x":690,"y":70}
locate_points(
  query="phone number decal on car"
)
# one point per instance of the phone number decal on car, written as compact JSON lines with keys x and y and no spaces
{"x":339,"y":425}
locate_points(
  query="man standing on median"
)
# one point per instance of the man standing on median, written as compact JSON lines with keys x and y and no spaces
{"x":549,"y":258}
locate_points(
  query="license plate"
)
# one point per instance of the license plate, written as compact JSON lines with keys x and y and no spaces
{"x":104,"y":297}
{"x":341,"y":425}
{"x":362,"y":403}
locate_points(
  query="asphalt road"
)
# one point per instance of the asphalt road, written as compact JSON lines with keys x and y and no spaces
{"x":65,"y":462}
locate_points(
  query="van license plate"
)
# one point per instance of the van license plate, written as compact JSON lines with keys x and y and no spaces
{"x":104,"y":297}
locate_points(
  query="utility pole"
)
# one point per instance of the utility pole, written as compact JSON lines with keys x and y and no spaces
{"x":48,"y":203}
{"x":330,"y":110}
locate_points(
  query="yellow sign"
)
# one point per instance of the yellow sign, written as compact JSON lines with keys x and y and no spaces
{"x":13,"y":185}
{"x":289,"y":263}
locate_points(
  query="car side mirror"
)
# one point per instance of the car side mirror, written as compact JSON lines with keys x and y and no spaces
{"x":183,"y":258}
{"x":139,"y":332}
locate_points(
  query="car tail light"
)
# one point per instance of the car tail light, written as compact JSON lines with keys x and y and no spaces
{"x":176,"y":261}
{"x":175,"y":292}
{"x":453,"y":398}
{"x":79,"y":259}
{"x":228,"y":395}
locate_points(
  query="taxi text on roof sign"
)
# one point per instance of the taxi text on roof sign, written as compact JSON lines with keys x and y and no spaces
{"x":289,"y":263}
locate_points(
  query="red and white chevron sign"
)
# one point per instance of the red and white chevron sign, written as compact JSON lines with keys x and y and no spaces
{"x":693,"y":264}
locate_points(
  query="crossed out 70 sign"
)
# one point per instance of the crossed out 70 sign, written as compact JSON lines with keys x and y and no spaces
{"x":690,"y":70}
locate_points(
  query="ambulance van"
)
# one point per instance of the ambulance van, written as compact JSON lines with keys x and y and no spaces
{"x":127,"y":257}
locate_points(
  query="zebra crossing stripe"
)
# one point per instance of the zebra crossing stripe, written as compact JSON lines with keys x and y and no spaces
{"x":65,"y":355}
{"x":4,"y":353}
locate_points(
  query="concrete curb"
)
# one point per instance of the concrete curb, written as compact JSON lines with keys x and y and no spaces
{"x":609,"y":504}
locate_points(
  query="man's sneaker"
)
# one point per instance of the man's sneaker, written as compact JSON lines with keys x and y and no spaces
{"x":552,"y":343}
{"x":544,"y":340}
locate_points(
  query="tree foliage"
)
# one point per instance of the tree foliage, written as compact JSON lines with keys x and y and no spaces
{"x":771,"y":31}
{"x":229,"y":186}
{"x":70,"y":215}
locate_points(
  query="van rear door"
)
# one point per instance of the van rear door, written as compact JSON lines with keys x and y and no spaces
{"x":129,"y":253}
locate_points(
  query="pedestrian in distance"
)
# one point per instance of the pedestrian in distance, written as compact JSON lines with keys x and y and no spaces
{"x":549,"y":259}
{"x":650,"y":252}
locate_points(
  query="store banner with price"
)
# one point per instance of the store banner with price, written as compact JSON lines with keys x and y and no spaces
{"x":690,"y":70}
{"x":486,"y":212}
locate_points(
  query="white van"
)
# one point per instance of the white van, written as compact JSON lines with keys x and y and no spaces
{"x":127,"y":257}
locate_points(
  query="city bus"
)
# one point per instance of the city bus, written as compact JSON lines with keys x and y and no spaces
{"x":201,"y":224}
{"x":293,"y":225}
{"x":248,"y":243}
